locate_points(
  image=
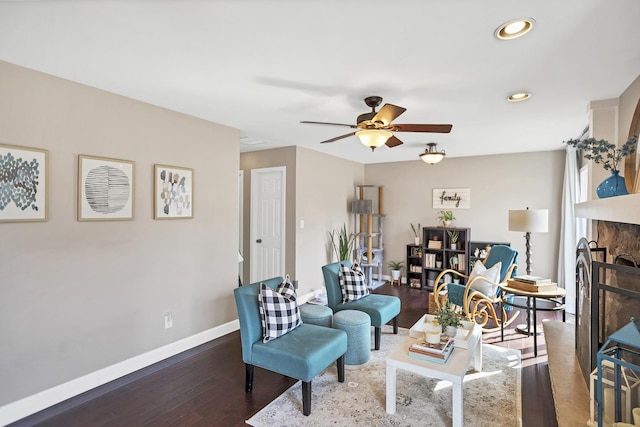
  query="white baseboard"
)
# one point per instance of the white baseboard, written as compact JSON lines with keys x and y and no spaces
{"x":22,"y":408}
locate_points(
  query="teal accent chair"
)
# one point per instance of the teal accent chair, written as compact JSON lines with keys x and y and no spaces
{"x":302,"y":353}
{"x":380,"y":308}
{"x":477,"y":306}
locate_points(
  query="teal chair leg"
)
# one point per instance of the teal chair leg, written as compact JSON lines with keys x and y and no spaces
{"x":340,"y":363}
{"x":378,"y":333}
{"x":248,"y":381}
{"x":306,"y":398}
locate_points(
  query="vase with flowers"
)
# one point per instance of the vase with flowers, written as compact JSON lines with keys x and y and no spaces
{"x":608,"y":155}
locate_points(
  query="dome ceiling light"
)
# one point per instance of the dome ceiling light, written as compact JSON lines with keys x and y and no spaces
{"x":514,"y":28}
{"x":431,"y":154}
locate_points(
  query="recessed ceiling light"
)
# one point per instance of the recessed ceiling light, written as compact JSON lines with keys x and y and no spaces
{"x":514,"y":28}
{"x":519,"y":96}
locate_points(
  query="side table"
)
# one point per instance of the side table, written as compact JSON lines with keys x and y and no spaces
{"x":556,"y":297}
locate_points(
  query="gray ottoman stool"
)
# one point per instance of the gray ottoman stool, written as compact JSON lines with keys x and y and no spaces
{"x":357,"y":325}
{"x":315,"y":314}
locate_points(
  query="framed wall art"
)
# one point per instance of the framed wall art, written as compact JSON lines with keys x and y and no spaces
{"x":23,"y":184}
{"x":451,"y":198}
{"x":105,"y":189}
{"x":173,"y":192}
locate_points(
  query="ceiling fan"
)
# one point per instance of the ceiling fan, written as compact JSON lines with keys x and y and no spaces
{"x":376,"y":129}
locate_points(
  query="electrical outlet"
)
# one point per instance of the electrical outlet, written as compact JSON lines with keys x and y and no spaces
{"x":168,"y":320}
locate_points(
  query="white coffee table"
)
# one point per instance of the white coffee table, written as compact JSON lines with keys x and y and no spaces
{"x":453,"y":370}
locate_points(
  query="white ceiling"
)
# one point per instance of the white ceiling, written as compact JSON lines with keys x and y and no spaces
{"x":263,"y":66}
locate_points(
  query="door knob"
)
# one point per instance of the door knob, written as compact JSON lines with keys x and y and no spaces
{"x":259,"y":241}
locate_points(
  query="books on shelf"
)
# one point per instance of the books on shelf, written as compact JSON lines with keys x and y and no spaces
{"x":533,"y":280}
{"x":434,"y":244}
{"x":462,"y":262}
{"x":530,"y":287}
{"x":430,"y":260}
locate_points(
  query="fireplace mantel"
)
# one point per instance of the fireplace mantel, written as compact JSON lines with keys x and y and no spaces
{"x":624,"y":209}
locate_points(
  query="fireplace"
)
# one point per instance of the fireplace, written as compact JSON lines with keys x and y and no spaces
{"x":607,"y":288}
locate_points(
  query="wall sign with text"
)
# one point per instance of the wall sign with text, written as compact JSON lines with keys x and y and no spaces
{"x":451,"y":198}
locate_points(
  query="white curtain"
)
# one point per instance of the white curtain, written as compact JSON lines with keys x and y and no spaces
{"x":568,"y":225}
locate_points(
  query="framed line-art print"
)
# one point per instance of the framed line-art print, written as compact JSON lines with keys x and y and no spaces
{"x":105,"y":189}
{"x":23,"y":184}
{"x":173,"y":192}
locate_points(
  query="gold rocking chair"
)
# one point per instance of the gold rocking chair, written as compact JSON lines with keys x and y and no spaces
{"x":478,"y":296}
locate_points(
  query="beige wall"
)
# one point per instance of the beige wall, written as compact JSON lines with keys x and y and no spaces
{"x":79,"y":296}
{"x":325,"y":189}
{"x":498,"y":183}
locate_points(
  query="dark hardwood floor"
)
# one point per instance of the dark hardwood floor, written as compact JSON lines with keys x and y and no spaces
{"x":205,"y":385}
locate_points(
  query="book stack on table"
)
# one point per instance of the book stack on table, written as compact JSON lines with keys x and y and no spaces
{"x":436,"y":353}
{"x":532,"y":283}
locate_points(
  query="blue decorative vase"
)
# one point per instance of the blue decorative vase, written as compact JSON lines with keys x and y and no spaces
{"x":612,"y":186}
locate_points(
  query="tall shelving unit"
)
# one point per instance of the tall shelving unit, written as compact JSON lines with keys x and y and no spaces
{"x":443,"y":253}
{"x":369,"y":222}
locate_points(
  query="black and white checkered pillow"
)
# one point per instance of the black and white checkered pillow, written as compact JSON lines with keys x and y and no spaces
{"x":278,"y":310}
{"x":352,"y":283}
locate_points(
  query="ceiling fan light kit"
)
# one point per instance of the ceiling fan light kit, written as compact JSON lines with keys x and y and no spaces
{"x":375,"y":128}
{"x":514,"y":28}
{"x":431,"y":154}
{"x":373,"y":138}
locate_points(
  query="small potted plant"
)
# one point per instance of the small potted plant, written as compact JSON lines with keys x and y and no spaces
{"x":445,"y":218}
{"x":396,"y":268}
{"x":448,"y":318}
{"x":453,"y":238}
{"x":416,"y":233}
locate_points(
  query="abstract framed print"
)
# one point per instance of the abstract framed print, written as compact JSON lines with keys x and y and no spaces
{"x":24,"y":185}
{"x":105,"y":189}
{"x":173,"y":192}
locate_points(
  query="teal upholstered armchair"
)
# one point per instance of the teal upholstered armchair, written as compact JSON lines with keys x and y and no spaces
{"x":380,"y":308}
{"x":479,"y":296}
{"x":302,"y":353}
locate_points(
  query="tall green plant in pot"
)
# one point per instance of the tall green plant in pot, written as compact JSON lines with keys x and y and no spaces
{"x":342,"y":242}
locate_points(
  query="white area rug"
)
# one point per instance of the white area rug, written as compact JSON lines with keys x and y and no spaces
{"x":491,"y":397}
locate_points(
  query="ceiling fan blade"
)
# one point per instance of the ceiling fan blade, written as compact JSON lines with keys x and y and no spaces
{"x":338,"y":137}
{"x":393,"y":142}
{"x":327,"y":123}
{"x":388,"y":113}
{"x":422,"y":128}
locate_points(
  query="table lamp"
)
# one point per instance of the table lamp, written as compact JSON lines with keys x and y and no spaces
{"x":529,"y":221}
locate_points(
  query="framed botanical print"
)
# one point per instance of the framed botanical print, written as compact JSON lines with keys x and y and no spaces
{"x":105,"y":189}
{"x":24,"y":185}
{"x":173,"y":192}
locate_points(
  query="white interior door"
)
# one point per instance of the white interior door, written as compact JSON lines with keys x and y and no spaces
{"x":267,"y":222}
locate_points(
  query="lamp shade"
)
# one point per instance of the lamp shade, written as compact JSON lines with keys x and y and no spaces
{"x":431,"y":155}
{"x":529,"y":220}
{"x":373,"y":138}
